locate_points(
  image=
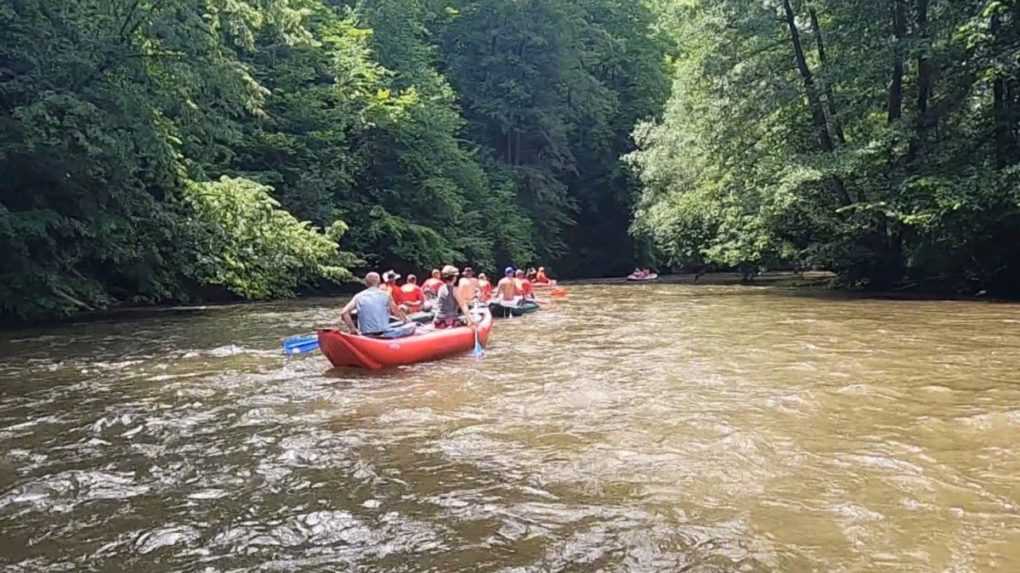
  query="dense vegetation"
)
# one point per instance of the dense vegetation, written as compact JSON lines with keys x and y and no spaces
{"x":877,"y":138}
{"x":172,"y":150}
{"x":168,"y":150}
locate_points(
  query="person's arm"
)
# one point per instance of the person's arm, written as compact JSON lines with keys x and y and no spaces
{"x":396,"y":311}
{"x":345,"y":315}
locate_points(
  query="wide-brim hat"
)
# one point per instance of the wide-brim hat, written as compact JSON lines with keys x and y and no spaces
{"x":450,"y":271}
{"x":390,"y":275}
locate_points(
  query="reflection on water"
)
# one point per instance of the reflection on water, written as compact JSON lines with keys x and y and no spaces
{"x":629,"y":428}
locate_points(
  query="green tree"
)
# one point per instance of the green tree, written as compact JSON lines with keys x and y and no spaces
{"x":839,"y":134}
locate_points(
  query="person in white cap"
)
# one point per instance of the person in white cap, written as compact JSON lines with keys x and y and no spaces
{"x":390,"y":279}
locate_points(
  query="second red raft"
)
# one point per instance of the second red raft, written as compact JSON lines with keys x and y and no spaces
{"x":343,"y":349}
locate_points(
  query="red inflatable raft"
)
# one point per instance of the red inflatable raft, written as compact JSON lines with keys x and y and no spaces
{"x":345,"y":349}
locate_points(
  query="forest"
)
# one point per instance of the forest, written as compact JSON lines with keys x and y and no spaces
{"x":874,"y":138}
{"x":164,"y":151}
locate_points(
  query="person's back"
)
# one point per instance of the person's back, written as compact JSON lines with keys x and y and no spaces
{"x":484,"y":288}
{"x":527,"y":289}
{"x":522,"y":286}
{"x":411,"y":293}
{"x":449,"y":305}
{"x":373,"y":306}
{"x":446,"y":306}
{"x":431,"y":286}
{"x":506,"y":286}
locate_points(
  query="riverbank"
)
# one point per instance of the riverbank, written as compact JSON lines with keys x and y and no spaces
{"x":772,"y":278}
{"x":813,"y":282}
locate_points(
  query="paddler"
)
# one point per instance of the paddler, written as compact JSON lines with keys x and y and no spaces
{"x":541,"y":278}
{"x":431,"y":285}
{"x":450,"y":305}
{"x":390,"y":278}
{"x":484,"y":288}
{"x":469,"y":287}
{"x":523,"y":287}
{"x":411,"y":295}
{"x":374,"y":306}
{"x":505,"y":288}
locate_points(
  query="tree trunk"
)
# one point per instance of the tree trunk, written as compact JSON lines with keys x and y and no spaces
{"x":814,"y":101}
{"x":834,"y":183}
{"x":925,"y":118}
{"x":835,"y":127}
{"x":895,"y":109}
{"x":1000,"y":107}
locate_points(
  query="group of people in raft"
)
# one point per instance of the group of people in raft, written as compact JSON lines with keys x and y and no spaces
{"x":447,"y":292}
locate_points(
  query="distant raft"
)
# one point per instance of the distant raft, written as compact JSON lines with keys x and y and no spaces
{"x":351,"y":350}
{"x":638,"y":278}
{"x":506,"y":310}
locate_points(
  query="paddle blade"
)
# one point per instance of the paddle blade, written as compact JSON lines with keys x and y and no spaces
{"x":300,"y":344}
{"x":479,"y":351}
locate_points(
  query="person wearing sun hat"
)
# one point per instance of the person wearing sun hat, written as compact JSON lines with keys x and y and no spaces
{"x":390,"y":278}
{"x":449,"y":304}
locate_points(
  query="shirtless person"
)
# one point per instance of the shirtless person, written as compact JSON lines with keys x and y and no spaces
{"x":505,"y":288}
{"x":468,"y":285}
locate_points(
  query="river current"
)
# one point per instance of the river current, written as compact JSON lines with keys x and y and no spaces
{"x":625,"y":428}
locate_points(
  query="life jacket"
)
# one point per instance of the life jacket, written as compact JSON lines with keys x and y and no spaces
{"x":410,"y":293}
{"x":431,"y":286}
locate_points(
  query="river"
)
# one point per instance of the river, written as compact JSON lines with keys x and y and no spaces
{"x":626,"y":428}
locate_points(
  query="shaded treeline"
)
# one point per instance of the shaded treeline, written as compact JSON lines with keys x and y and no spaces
{"x":876,"y":138}
{"x":170,"y":150}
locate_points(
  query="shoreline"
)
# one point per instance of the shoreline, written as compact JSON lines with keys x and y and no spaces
{"x":812,"y":282}
{"x":771,"y":278}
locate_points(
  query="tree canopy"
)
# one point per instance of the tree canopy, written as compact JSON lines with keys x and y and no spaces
{"x":174,"y":150}
{"x":167,"y":150}
{"x":877,"y":139}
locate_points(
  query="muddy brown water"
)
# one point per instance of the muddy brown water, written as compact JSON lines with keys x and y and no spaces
{"x":626,"y":428}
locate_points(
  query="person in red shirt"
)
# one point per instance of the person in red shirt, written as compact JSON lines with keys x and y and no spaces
{"x":411,"y":295}
{"x":484,"y":287}
{"x":432,"y":284}
{"x":390,"y":278}
{"x":541,"y":278}
{"x":523,"y":287}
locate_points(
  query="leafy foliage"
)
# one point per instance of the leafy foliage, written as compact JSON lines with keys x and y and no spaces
{"x":246,"y":243}
{"x":844,"y":135}
{"x":167,"y":150}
